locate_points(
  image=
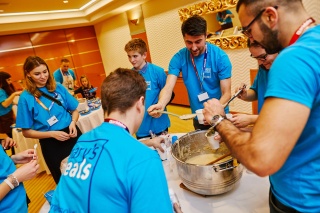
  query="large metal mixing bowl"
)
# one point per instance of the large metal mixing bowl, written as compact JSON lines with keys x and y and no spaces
{"x":213,"y":179}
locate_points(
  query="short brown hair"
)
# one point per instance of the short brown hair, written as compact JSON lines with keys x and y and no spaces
{"x":121,"y":89}
{"x":136,"y":44}
{"x":65,"y":60}
{"x":30,"y":63}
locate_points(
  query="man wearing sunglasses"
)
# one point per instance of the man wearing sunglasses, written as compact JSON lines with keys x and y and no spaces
{"x":285,"y":141}
{"x":259,"y":86}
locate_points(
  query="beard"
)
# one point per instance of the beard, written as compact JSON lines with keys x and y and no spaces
{"x":270,"y":40}
{"x":263,"y":67}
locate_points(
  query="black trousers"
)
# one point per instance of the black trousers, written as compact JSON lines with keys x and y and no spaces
{"x":277,"y":207}
{"x":54,"y":151}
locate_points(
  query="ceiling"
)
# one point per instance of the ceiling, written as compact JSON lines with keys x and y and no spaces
{"x":20,"y":16}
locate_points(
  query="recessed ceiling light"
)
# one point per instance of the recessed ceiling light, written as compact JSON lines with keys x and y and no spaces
{"x":1,"y":11}
{"x":66,"y":2}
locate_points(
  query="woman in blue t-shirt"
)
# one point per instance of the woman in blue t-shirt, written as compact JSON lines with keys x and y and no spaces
{"x":48,"y":112}
{"x":7,"y":95}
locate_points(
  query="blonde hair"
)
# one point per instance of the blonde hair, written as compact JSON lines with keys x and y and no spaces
{"x":89,"y":84}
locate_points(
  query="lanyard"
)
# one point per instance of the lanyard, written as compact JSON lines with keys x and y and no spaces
{"x":203,"y":67}
{"x":299,"y":31}
{"x":44,"y":106}
{"x":117,"y":123}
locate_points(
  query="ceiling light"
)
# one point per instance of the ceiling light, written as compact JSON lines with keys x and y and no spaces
{"x":66,"y":1}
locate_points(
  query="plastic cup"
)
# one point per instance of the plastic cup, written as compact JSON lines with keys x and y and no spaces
{"x":200,"y":116}
{"x":215,"y":144}
{"x":229,"y":116}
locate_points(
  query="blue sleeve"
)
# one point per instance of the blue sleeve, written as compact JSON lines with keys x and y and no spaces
{"x":294,"y":81}
{"x":175,"y":64}
{"x":57,"y":76}
{"x":25,"y":111}
{"x":255,"y":84}
{"x":224,"y":65}
{"x":143,"y":177}
{"x":3,"y":95}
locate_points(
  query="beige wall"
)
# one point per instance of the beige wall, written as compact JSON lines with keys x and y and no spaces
{"x":162,"y":25}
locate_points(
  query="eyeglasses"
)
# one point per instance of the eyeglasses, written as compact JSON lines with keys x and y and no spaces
{"x":260,"y":57}
{"x":246,"y":30}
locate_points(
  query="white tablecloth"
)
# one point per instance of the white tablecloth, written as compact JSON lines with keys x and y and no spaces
{"x":91,"y":120}
{"x":251,"y":195}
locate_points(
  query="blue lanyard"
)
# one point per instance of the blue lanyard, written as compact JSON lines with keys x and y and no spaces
{"x":203,"y":67}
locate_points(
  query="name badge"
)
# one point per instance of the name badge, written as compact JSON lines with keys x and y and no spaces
{"x":203,"y":96}
{"x":52,"y":120}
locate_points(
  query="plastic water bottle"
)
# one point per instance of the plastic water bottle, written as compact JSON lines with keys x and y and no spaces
{"x":174,"y":139}
{"x":173,"y":197}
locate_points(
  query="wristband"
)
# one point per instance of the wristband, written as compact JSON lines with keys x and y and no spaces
{"x":9,"y":184}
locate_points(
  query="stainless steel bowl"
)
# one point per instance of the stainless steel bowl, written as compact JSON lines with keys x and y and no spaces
{"x":209,"y":179}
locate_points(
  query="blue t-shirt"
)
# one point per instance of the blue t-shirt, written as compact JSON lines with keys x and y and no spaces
{"x":156,"y":79}
{"x":295,"y":76}
{"x":59,"y":78}
{"x":31,"y":115}
{"x":110,"y":171}
{"x":227,"y":20}
{"x":260,"y":86}
{"x":218,"y":67}
{"x":15,"y":200}
{"x":3,"y":97}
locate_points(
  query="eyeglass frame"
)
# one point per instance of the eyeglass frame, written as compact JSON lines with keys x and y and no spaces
{"x":261,"y":58}
{"x":245,"y":30}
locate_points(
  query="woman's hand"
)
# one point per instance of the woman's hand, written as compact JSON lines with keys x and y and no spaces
{"x":241,"y":120}
{"x":72,"y":129}
{"x":24,"y":156}
{"x":60,"y":135}
{"x":8,"y":143}
{"x":27,"y":171}
{"x":17,"y":93}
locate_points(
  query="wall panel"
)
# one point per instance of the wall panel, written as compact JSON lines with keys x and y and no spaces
{"x":79,"y":45}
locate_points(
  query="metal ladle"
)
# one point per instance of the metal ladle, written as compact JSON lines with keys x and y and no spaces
{"x":182,"y":117}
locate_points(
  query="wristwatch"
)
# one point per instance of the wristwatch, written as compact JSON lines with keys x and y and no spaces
{"x":216,"y":119}
{"x":13,"y":180}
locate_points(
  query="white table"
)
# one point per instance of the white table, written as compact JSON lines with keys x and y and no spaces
{"x":250,"y":196}
{"x":91,"y":120}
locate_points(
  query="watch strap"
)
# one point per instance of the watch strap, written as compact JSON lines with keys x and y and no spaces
{"x":221,"y":118}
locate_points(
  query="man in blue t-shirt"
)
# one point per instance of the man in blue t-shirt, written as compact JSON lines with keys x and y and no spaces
{"x":284,"y":142}
{"x":259,"y":86}
{"x":205,"y":68}
{"x":155,"y":78}
{"x":109,"y":170}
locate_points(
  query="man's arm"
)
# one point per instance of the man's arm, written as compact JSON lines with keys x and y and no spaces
{"x":165,"y":95}
{"x":276,"y":132}
{"x":225,"y":86}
